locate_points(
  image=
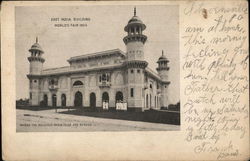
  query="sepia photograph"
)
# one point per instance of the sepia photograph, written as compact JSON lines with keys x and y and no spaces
{"x":125,"y":80}
{"x":97,"y":68}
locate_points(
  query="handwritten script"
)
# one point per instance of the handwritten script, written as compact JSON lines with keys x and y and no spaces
{"x":215,"y":70}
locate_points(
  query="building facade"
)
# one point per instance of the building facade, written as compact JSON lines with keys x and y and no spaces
{"x":109,"y":76}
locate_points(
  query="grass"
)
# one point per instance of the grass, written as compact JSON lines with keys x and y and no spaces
{"x":152,"y":116}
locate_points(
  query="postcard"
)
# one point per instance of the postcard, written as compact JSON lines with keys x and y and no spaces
{"x":125,"y":80}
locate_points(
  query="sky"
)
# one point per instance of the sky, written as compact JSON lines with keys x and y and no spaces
{"x":104,"y":31}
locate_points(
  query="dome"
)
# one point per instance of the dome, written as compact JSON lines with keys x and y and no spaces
{"x":135,"y":19}
{"x":36,"y":46}
{"x":162,"y":58}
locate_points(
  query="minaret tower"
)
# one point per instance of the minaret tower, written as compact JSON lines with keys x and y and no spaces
{"x":36,"y":66}
{"x":135,"y":40}
{"x":135,"y":63}
{"x":163,"y":67}
{"x":163,"y":73}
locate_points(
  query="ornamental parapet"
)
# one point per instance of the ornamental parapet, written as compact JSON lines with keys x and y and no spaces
{"x":135,"y":64}
{"x":136,"y":37}
{"x":35,"y":58}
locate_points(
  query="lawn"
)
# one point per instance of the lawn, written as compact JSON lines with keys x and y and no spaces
{"x":152,"y":116}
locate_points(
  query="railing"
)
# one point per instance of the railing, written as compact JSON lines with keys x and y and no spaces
{"x":53,"y":87}
{"x":104,"y":84}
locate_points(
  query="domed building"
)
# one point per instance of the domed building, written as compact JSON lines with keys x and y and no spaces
{"x":102,"y":80}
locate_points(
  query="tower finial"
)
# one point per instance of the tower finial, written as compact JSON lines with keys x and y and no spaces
{"x":162,"y":52}
{"x":36,"y":39}
{"x":134,"y":11}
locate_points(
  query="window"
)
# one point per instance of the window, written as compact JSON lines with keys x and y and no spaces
{"x":35,"y":81}
{"x":150,"y":86}
{"x":138,"y":71}
{"x":157,"y":86}
{"x":77,"y":83}
{"x":105,"y":77}
{"x":131,"y":92}
{"x":132,"y":71}
{"x":30,"y":95}
{"x":52,"y":81}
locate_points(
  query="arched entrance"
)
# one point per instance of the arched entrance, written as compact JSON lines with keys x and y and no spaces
{"x":150,"y":104}
{"x":63,"y":99}
{"x":92,"y":99}
{"x":147,"y":100}
{"x":119,"y":96}
{"x":45,"y":100}
{"x":155,"y":102}
{"x":78,"y":99}
{"x":54,"y":100}
{"x":105,"y":97}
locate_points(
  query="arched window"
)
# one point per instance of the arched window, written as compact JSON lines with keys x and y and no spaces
{"x":77,"y":83}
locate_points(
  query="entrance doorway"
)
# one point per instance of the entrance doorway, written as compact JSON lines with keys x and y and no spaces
{"x":45,"y":100}
{"x":147,"y":101}
{"x":119,"y":96}
{"x":105,"y":97}
{"x":150,"y":101}
{"x":78,"y":99}
{"x":92,"y":99}
{"x":54,"y":100}
{"x":63,"y":99}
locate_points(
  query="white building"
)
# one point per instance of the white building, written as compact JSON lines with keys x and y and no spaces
{"x":109,"y":76}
